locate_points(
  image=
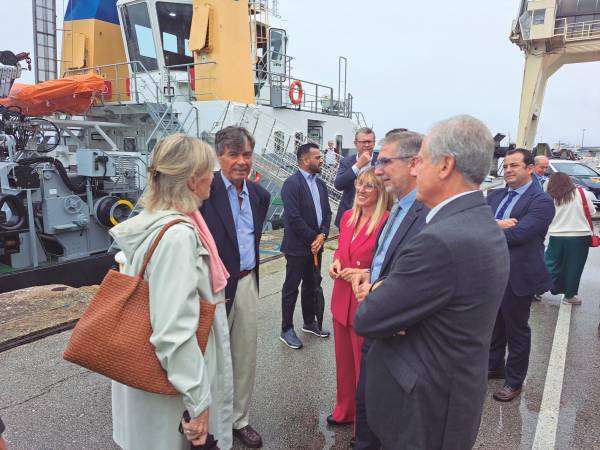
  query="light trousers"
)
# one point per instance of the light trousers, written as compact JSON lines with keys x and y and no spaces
{"x":243,"y":336}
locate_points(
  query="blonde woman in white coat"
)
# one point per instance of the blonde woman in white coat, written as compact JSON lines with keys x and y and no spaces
{"x":184,"y":268}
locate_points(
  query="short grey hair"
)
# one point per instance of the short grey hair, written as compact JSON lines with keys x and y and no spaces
{"x":407,"y":143}
{"x":363,"y":130}
{"x":468,"y":140}
{"x":234,"y":138}
{"x":538,"y":159}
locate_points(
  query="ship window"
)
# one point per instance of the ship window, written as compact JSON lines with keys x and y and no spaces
{"x":175,"y":22}
{"x":138,"y":33}
{"x":538,"y":16}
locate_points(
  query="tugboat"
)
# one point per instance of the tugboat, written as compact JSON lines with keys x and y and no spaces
{"x":149,"y":69}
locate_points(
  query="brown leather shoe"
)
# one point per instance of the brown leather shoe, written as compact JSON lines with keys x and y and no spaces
{"x":506,"y":394}
{"x":249,"y":437}
{"x":496,"y":374}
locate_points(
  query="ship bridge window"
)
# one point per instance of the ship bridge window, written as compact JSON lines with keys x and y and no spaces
{"x":138,"y":33}
{"x":175,"y":22}
{"x":538,"y":16}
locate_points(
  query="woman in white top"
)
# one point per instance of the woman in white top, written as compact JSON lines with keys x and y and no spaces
{"x":570,"y":236}
{"x":184,"y":267}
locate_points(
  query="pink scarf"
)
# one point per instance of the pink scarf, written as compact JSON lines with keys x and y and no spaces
{"x":218,"y":271}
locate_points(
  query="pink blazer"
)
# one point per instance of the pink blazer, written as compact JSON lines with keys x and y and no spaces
{"x":357,"y":254}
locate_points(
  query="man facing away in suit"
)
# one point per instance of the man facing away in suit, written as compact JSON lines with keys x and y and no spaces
{"x":524,"y":213}
{"x":307,"y":216}
{"x":431,"y":318}
{"x":394,"y":163}
{"x":235,"y":213}
{"x":353,"y":165}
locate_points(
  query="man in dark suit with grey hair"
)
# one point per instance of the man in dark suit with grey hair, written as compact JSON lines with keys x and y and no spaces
{"x":432,"y":317}
{"x":395,"y":161}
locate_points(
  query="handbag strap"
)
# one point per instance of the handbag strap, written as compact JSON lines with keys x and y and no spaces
{"x":155,"y":243}
{"x":586,"y":208}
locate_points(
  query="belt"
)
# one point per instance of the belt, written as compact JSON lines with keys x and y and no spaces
{"x":245,"y":273}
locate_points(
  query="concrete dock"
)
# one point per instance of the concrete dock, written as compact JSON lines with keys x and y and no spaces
{"x":49,"y":404}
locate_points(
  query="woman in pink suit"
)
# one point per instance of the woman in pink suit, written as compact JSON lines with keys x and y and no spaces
{"x":359,"y":229}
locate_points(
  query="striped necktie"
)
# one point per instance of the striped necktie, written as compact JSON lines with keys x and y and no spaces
{"x":501,"y":211}
{"x":388,"y":225}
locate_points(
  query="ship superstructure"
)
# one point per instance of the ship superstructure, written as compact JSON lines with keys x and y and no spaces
{"x":167,"y":66}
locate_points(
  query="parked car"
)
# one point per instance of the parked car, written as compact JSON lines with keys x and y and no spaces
{"x":581,"y":174}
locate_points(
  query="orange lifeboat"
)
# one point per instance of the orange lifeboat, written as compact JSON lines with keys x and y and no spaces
{"x":69,"y":95}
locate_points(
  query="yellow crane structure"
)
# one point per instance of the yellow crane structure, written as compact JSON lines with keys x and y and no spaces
{"x":551,"y":33}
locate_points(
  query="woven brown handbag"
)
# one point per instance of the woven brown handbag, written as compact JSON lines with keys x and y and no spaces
{"x":112,"y":336}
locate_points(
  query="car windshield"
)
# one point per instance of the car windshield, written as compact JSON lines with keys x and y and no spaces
{"x":577,"y":170}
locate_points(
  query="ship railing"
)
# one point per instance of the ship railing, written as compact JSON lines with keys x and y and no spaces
{"x":278,"y":145}
{"x":275,"y":153}
{"x":123,"y":83}
{"x":577,"y":31}
{"x":188,"y":88}
{"x":359,"y":119}
{"x":274,"y":89}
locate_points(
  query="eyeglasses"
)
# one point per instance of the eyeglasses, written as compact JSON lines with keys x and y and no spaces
{"x":383,"y":161}
{"x":368,"y":187}
{"x":365,"y":142}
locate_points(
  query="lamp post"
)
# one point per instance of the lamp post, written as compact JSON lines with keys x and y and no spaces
{"x":582,"y":136}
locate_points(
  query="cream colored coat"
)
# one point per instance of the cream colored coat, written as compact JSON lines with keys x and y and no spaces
{"x":178,"y":274}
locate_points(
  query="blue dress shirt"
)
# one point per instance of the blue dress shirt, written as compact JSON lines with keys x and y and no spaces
{"x":514,"y":201}
{"x":314,"y":192}
{"x":244,"y":223}
{"x":405,"y":203}
{"x":540,"y":179}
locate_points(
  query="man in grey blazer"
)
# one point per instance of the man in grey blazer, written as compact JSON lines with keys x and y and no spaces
{"x":432,"y":317}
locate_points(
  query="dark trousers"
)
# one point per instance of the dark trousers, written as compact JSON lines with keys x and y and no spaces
{"x":365,"y":439}
{"x":512,"y":330}
{"x":298,"y":269}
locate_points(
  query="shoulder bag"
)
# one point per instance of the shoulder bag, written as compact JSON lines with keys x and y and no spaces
{"x":112,"y":336}
{"x":595,"y":242}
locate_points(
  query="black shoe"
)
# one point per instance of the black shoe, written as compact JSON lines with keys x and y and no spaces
{"x":249,"y":436}
{"x":290,"y":339}
{"x":314,"y":329}
{"x":332,"y":421}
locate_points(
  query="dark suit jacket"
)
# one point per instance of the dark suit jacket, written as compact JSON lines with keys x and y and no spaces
{"x":413,"y":222}
{"x":425,"y":390}
{"x":344,"y":181}
{"x":300,"y":217}
{"x":534,"y":210}
{"x":219,"y":218}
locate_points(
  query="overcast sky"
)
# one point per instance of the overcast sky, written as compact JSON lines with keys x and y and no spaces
{"x":412,"y":63}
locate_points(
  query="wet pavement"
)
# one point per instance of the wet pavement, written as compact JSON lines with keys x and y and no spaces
{"x":49,"y":404}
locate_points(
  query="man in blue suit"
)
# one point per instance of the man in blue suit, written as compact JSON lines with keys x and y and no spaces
{"x":353,"y":165}
{"x":307,"y":217}
{"x":235,"y":213}
{"x":524,"y":212}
